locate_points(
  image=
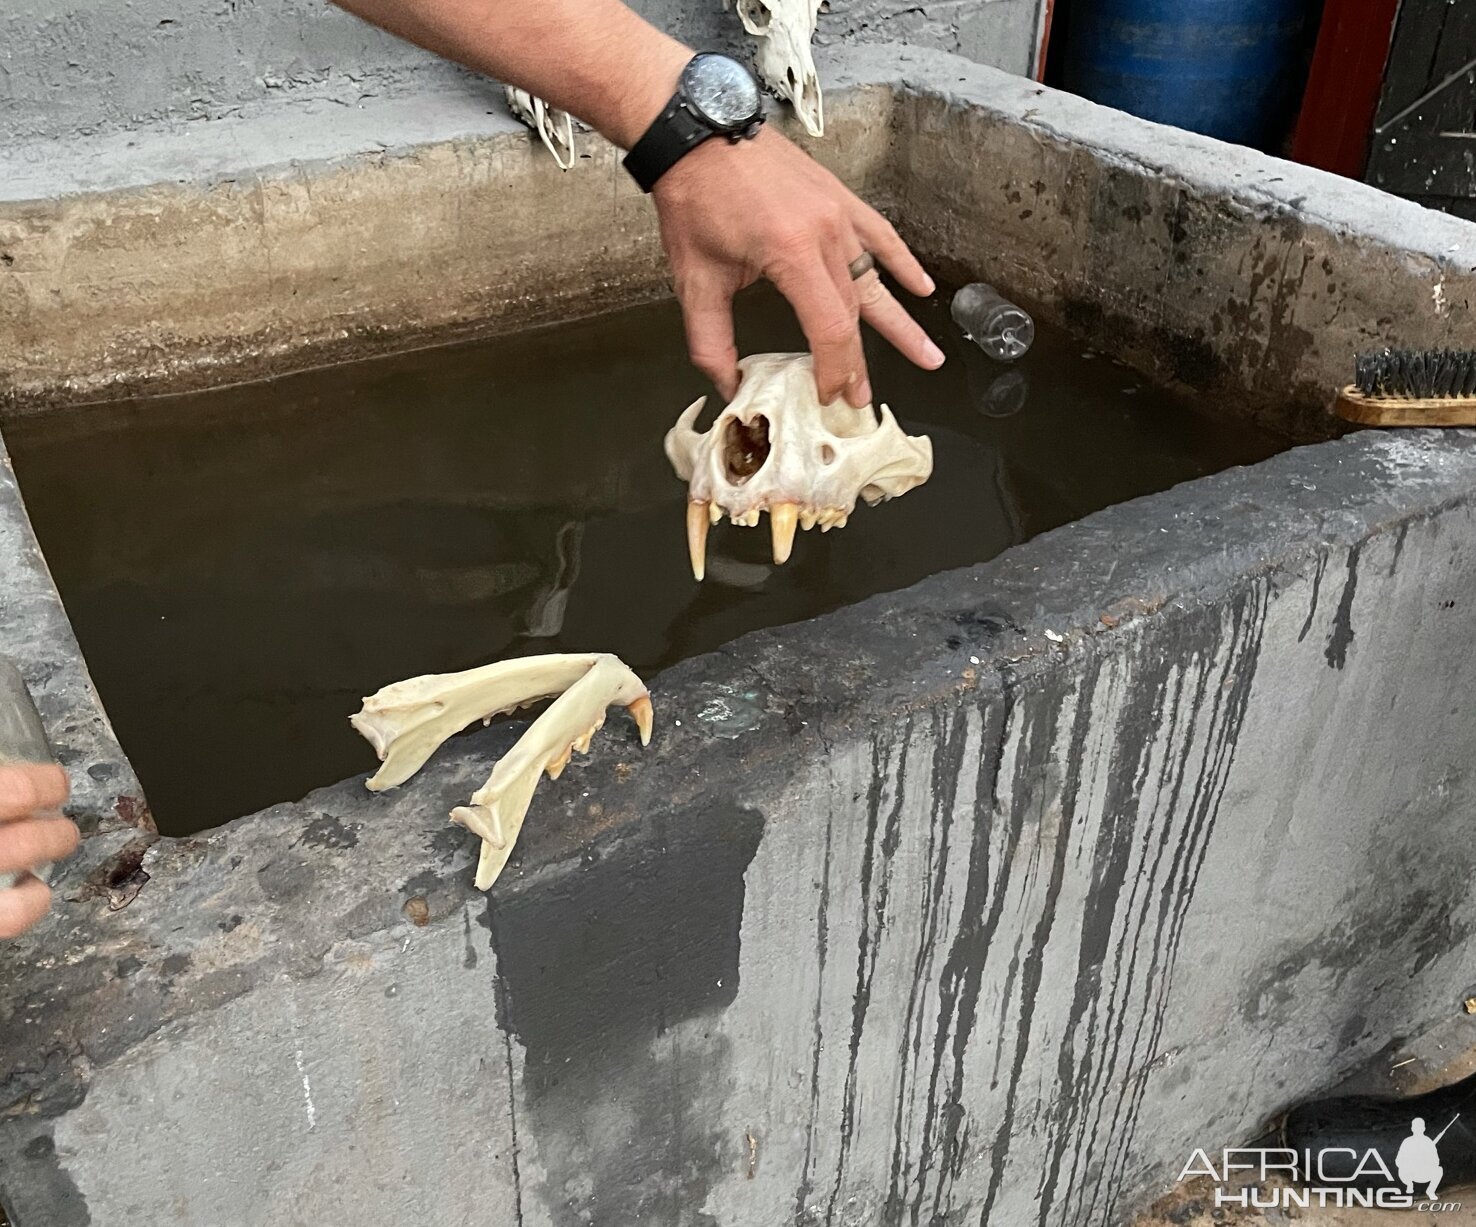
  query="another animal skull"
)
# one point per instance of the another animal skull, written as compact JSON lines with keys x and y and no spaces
{"x":407,"y":721}
{"x":554,"y":126}
{"x":784,"y":60}
{"x":776,"y":448}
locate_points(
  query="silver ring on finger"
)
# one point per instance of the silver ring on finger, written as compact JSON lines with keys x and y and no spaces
{"x":861,"y":265}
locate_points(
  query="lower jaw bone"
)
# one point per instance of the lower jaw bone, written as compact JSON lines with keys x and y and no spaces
{"x":406,"y":723}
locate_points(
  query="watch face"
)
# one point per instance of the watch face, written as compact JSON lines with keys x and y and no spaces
{"x":722,"y":90}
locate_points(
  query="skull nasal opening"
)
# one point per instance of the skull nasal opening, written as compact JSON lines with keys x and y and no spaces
{"x":745,"y":448}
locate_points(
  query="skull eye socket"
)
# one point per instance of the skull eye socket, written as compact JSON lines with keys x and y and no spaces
{"x":745,"y":448}
{"x":758,"y":16}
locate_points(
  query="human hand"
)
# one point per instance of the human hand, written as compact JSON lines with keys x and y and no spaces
{"x":732,"y":213}
{"x":32,"y":833}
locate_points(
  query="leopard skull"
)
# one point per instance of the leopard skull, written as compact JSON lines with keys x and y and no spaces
{"x":407,"y":721}
{"x":554,"y":126}
{"x":776,"y":448}
{"x":785,"y":29}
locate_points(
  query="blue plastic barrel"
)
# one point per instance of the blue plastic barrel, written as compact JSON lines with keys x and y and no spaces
{"x":1226,"y":68}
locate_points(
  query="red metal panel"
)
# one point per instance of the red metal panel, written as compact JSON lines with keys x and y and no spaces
{"x":1343,"y":88}
{"x":1047,"y":11}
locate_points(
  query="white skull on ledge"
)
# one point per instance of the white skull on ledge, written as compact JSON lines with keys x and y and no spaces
{"x":776,"y":448}
{"x":554,"y":126}
{"x":785,"y":29}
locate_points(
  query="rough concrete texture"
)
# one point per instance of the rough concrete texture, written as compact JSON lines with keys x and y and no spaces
{"x":69,"y":68}
{"x":875,"y":934}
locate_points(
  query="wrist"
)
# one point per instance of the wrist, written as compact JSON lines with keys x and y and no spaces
{"x":712,"y":161}
{"x":642,"y":95}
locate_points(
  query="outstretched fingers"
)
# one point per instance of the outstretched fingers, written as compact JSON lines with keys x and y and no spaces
{"x":880,"y":238}
{"x":24,"y":845}
{"x":831,"y":327}
{"x":707,"y":313}
{"x":890,"y":318}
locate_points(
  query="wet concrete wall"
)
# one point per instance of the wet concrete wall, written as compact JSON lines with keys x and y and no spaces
{"x":1217,"y":268}
{"x":918,"y":914}
{"x":241,"y":248}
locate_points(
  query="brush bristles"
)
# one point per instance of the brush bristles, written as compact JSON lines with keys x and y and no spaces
{"x":1416,"y":373}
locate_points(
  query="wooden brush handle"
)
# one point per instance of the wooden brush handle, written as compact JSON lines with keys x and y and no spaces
{"x":1354,"y":406}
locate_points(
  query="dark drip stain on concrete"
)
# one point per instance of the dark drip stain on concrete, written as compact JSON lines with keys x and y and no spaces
{"x":876,"y":880}
{"x":1341,"y":637}
{"x":1316,"y":592}
{"x":1195,"y":780}
{"x":947,"y":770}
{"x":822,"y":941}
{"x":243,"y":566}
{"x":1029,"y":789}
{"x":605,"y":978}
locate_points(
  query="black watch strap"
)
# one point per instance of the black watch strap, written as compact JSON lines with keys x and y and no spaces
{"x":672,"y":135}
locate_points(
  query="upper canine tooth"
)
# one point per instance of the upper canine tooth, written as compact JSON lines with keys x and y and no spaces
{"x":782,"y":519}
{"x":697,"y":514}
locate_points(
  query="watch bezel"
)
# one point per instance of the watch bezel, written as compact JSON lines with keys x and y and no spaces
{"x":693,"y":66}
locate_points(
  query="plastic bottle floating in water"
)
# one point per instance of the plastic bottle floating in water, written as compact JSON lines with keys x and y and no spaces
{"x":998,"y":327}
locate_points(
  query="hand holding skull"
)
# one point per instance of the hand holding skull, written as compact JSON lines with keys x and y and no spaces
{"x":778,"y":449}
{"x":731,"y":214}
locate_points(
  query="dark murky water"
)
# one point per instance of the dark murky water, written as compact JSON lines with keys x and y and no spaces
{"x":243,"y":566}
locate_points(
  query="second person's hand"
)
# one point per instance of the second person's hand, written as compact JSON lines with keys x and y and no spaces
{"x":32,"y":832}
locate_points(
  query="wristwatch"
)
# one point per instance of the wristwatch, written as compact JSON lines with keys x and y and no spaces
{"x":716,"y":96}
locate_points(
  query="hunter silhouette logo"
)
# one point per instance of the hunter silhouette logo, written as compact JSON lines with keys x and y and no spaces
{"x":1418,"y":1162}
{"x":1333,"y":1176}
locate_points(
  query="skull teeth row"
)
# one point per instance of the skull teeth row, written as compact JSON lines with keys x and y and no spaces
{"x":784,"y":518}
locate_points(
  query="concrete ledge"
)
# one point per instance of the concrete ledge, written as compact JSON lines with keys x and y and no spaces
{"x":77,"y":69}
